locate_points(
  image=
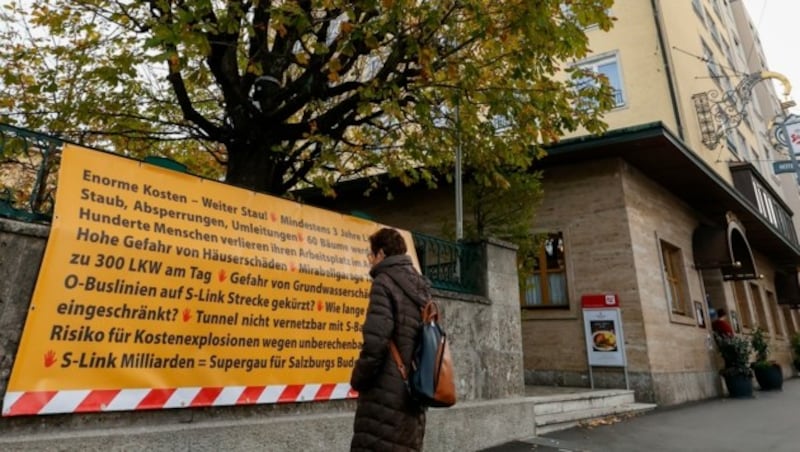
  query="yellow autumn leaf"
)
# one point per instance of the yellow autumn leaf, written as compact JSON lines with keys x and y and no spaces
{"x":334,"y":65}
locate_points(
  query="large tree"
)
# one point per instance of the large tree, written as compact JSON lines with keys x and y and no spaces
{"x":287,"y":92}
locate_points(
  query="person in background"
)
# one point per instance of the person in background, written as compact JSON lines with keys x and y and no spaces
{"x":720,"y":325}
{"x":387,"y":419}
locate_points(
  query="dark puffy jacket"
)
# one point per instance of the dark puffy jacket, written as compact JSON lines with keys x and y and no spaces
{"x":386,"y":417}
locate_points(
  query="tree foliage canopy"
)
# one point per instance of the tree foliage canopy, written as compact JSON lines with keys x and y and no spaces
{"x":286,"y":92}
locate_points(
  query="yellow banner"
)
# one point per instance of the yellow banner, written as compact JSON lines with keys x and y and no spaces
{"x":157,"y":279}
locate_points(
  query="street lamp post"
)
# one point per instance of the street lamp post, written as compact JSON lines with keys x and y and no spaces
{"x":458,"y":182}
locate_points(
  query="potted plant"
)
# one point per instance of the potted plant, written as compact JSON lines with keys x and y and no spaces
{"x":769,"y":374}
{"x":735,"y":351}
{"x":796,"y":351}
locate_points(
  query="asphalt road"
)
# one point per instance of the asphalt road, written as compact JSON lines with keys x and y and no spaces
{"x":770,"y":421}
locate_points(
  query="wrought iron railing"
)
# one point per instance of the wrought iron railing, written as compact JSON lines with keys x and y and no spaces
{"x":29,"y":163}
{"x":28,"y":167}
{"x":449,"y":265}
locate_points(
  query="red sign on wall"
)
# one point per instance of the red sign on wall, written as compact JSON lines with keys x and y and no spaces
{"x":605,"y":300}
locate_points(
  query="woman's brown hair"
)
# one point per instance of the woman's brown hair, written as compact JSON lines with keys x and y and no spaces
{"x":388,"y":240}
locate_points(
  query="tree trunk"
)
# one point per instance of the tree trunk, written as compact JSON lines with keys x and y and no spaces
{"x":253,"y":166}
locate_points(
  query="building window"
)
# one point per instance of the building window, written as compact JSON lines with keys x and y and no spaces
{"x":790,"y":326}
{"x":609,"y":67}
{"x":766,"y":204}
{"x":546,"y":285}
{"x":715,"y":5}
{"x":730,"y":142}
{"x":698,"y":9}
{"x":746,"y":118}
{"x":777,"y":318}
{"x":742,"y":305}
{"x":742,"y":143}
{"x":675,"y":278}
{"x":762,"y":321}
{"x":711,"y":64}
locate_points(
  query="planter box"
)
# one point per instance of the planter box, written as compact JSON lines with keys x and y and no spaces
{"x":770,"y":377}
{"x":740,"y":386}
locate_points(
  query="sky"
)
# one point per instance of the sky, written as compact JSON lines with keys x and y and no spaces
{"x":777,"y":22}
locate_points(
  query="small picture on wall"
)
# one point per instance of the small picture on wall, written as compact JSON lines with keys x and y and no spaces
{"x":699,"y":315}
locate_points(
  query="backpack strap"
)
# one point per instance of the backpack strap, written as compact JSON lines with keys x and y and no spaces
{"x":398,"y":360}
{"x":393,"y":350}
{"x":392,"y":346}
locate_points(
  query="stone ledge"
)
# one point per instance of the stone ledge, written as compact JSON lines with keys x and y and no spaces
{"x":501,"y":243}
{"x":466,"y":426}
{"x":458,"y":296}
{"x":23,"y":228}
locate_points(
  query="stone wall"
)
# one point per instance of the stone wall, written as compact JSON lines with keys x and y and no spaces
{"x":486,"y":347}
{"x":681,"y":354}
{"x":21,"y":250}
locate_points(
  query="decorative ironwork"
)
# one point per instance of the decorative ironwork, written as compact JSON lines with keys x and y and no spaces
{"x":29,"y":163}
{"x":717,"y":113}
{"x":449,"y":266}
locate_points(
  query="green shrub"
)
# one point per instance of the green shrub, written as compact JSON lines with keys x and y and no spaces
{"x":735,"y":351}
{"x":761,"y":346}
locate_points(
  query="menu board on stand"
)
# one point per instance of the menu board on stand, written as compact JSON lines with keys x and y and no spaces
{"x":605,"y":343}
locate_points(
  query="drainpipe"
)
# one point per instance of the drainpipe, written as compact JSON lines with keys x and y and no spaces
{"x":662,"y":42}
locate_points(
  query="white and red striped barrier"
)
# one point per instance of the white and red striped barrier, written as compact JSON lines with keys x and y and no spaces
{"x":93,"y":400}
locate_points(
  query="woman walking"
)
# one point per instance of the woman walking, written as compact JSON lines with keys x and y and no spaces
{"x":387,"y":419}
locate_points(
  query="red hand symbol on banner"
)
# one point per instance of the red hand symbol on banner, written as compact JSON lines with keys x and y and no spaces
{"x":49,"y":358}
{"x":300,"y":236}
{"x":222,"y":275}
{"x":187,"y":314}
{"x":274,"y":216}
{"x":319,"y":305}
{"x":292,"y":267}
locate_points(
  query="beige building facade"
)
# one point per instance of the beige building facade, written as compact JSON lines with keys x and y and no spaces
{"x":644,"y":211}
{"x":671,"y":211}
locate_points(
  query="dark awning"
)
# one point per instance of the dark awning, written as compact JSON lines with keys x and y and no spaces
{"x":724,"y":249}
{"x":787,"y":287}
{"x":664,"y":158}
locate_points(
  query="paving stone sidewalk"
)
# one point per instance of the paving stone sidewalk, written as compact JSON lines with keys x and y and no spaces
{"x":770,"y":421}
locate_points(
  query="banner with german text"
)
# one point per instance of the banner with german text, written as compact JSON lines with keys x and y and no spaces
{"x":160,"y":289}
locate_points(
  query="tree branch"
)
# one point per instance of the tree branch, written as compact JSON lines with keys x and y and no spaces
{"x":222,"y":61}
{"x":176,"y":80}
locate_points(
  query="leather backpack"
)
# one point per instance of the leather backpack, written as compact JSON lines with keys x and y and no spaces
{"x":431,"y":380}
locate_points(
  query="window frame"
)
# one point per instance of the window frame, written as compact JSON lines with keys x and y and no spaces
{"x":742,"y":300}
{"x":779,"y":323}
{"x":543,"y":276}
{"x":791,"y":328}
{"x":595,"y":62}
{"x":698,"y":9}
{"x":714,"y":70}
{"x":763,"y":320}
{"x":742,"y":141}
{"x":674,"y":275}
{"x":713,"y":30}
